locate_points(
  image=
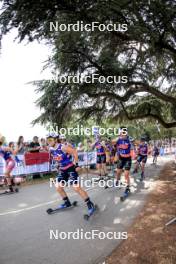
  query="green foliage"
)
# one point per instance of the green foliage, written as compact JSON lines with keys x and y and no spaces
{"x":145,"y":53}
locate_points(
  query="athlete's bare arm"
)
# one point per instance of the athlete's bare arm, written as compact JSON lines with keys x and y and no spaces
{"x":8,"y":149}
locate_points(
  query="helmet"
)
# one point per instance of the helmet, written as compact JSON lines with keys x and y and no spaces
{"x":143,"y":138}
{"x":62,"y":136}
{"x":123,"y":131}
{"x":52,"y":135}
{"x":131,"y":139}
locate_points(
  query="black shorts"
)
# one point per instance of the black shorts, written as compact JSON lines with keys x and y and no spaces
{"x":124,"y":163}
{"x":101,"y":159}
{"x":69,"y":174}
{"x":156,"y":154}
{"x":142,"y":158}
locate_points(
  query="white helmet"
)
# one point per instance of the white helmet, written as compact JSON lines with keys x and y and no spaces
{"x":52,"y":135}
{"x":62,"y":136}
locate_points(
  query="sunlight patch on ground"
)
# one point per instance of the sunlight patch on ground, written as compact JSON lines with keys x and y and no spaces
{"x":117,"y":221}
{"x":22,"y":205}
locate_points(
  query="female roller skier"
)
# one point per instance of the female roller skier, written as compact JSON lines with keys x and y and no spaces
{"x":68,"y":173}
{"x":7,"y":154}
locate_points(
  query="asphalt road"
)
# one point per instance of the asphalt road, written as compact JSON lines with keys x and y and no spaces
{"x":25,"y":228}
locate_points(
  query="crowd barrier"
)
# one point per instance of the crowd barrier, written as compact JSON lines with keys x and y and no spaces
{"x":32,"y":163}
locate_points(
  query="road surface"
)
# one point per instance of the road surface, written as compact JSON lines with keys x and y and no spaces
{"x":25,"y":228}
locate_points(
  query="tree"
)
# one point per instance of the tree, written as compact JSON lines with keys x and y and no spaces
{"x":145,"y":53}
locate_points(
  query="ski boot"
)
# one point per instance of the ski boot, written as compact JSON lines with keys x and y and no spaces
{"x":10,"y":189}
{"x":125,"y":194}
{"x":64,"y":205}
{"x":91,"y":210}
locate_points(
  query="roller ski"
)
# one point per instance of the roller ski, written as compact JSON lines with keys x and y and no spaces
{"x":91,"y":211}
{"x":125,"y":194}
{"x":100,"y":178}
{"x":62,"y":207}
{"x":10,"y":191}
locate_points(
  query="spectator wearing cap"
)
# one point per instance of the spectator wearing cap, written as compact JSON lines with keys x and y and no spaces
{"x":34,"y":146}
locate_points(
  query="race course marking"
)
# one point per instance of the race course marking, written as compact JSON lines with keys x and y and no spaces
{"x":37,"y":206}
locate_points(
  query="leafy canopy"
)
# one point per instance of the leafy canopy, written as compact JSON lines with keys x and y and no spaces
{"x":145,"y":53}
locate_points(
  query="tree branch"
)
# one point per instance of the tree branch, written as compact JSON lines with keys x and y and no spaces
{"x":152,"y":90}
{"x":147,"y":115}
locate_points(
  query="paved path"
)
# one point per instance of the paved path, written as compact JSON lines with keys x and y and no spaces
{"x":25,"y":226}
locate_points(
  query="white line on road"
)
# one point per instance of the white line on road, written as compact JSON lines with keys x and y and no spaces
{"x":37,"y":205}
{"x":28,"y":208}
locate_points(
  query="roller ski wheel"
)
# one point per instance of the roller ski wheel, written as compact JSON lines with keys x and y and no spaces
{"x":91,"y":212}
{"x":9,"y":192}
{"x":49,"y":211}
{"x":125,"y":195}
{"x":61,"y":208}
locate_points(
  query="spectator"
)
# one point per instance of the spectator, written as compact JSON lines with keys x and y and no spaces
{"x":80,"y":147}
{"x":161,"y":151}
{"x":21,"y":145}
{"x":72,"y":143}
{"x":155,"y":154}
{"x":11,"y":145}
{"x":34,"y":146}
{"x":43,"y":145}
